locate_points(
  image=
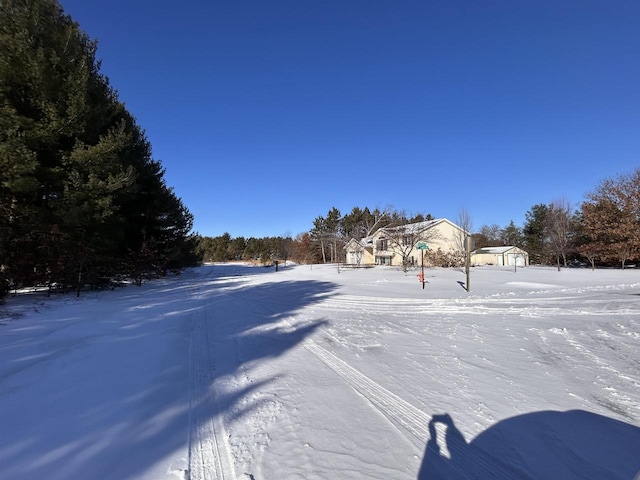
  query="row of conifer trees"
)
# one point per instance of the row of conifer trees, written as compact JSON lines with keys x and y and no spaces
{"x":82,"y":201}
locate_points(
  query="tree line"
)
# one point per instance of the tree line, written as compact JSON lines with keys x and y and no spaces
{"x":225,"y":249}
{"x":82,"y":200}
{"x":604,"y":230}
{"x":322,"y":244}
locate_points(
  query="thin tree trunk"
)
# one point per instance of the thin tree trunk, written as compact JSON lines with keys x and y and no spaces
{"x":79,"y":280}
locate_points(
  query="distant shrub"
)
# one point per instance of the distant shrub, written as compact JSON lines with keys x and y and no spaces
{"x":438,"y":258}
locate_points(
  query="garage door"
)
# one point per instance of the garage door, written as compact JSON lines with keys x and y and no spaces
{"x":513,"y":259}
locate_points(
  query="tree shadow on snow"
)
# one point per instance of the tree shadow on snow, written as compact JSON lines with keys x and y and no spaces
{"x":112,"y":395}
{"x":543,"y":445}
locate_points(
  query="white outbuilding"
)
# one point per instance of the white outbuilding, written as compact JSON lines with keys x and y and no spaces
{"x":508,"y":255}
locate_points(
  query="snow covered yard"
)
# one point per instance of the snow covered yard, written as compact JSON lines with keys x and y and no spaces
{"x":238,"y":372}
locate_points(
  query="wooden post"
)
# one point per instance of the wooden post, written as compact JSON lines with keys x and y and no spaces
{"x":468,"y":261}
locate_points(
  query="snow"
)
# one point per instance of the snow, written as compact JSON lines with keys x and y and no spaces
{"x":320,"y":372}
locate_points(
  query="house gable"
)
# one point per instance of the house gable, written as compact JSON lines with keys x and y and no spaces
{"x":359,"y":252}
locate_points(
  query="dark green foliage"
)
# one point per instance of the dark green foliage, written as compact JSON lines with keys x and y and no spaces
{"x":80,"y":195}
{"x":361,"y":223}
{"x":264,"y":250}
{"x":534,"y":234}
{"x":327,"y":232}
{"x":511,"y":235}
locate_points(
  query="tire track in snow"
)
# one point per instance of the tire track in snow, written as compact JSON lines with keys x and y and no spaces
{"x":397,"y":410}
{"x":403,"y":415}
{"x":209,"y":450}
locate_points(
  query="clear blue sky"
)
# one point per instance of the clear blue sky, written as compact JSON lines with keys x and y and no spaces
{"x":266,"y":114}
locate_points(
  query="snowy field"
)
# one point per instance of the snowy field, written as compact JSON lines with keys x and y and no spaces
{"x":237,"y":372}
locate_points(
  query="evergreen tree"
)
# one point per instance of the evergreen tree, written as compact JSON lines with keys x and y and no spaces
{"x":352,"y":224}
{"x":332,"y":225}
{"x":236,"y":248}
{"x":511,"y":235}
{"x":319,"y":233}
{"x":78,"y":188}
{"x":534,"y":233}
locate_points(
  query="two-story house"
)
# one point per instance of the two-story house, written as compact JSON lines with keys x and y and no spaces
{"x":398,"y":244}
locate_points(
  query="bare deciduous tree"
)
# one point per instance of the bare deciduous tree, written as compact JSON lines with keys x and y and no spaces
{"x":377,"y":219}
{"x":463,"y":242}
{"x":558,"y":229}
{"x":466,"y":224}
{"x":489,"y":236}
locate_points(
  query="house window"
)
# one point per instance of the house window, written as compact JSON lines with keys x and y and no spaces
{"x":406,"y":240}
{"x":384,"y":260}
{"x":381,"y":244}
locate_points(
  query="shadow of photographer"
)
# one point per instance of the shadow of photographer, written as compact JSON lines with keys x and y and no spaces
{"x":542,"y":445}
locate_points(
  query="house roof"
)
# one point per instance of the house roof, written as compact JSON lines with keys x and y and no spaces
{"x":415,"y":227}
{"x":494,"y":250}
